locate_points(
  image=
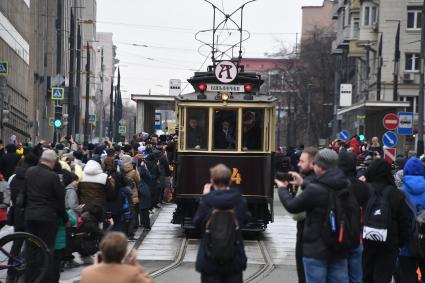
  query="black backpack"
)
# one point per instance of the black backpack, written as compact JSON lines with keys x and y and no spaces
{"x":416,"y":243}
{"x":341,"y":231}
{"x":378,"y":217}
{"x":222,"y":235}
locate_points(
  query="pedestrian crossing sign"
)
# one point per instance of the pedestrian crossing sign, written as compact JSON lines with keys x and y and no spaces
{"x":122,"y":130}
{"x":4,"y":68}
{"x":58,"y":93}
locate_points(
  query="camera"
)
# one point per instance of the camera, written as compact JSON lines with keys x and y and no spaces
{"x":282,"y":176}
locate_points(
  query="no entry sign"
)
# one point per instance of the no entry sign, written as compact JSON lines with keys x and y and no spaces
{"x":390,"y":121}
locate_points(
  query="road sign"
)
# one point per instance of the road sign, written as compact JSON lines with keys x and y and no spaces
{"x":390,"y":121}
{"x":92,"y":119}
{"x":345,"y":94}
{"x":389,"y":139}
{"x":405,"y":126}
{"x":344,"y":135}
{"x":226,"y":71}
{"x":122,"y":130}
{"x":157,"y":120}
{"x":58,"y":93}
{"x":390,"y":154}
{"x":175,"y":87}
{"x":4,"y":68}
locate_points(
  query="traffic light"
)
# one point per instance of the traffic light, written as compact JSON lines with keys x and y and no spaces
{"x":361,"y":137}
{"x":57,"y":122}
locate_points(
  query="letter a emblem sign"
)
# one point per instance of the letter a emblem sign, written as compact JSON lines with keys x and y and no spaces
{"x":226,"y":71}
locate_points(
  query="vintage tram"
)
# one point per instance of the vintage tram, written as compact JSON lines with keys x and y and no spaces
{"x":231,"y":124}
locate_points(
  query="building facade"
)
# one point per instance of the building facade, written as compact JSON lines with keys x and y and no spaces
{"x":316,"y":17}
{"x":383,"y":79}
{"x":15,"y":49}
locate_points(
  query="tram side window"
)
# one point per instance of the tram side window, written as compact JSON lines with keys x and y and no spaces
{"x":225,"y":129}
{"x":253,"y":125}
{"x":197,"y":128}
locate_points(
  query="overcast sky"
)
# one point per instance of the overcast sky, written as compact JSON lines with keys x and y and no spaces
{"x":168,"y":27}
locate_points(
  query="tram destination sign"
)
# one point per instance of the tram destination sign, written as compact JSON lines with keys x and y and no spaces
{"x":228,"y":88}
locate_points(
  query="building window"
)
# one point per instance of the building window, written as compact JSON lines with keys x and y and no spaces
{"x":370,"y":15}
{"x":414,"y":17}
{"x":412,"y":62}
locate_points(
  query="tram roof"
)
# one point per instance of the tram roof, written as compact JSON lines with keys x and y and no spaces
{"x":212,"y":97}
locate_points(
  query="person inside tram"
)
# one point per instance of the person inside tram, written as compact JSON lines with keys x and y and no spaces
{"x":251,"y":132}
{"x":224,"y":137}
{"x":195,"y":135}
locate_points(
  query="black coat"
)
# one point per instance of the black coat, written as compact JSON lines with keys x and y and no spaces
{"x":8,"y":164}
{"x":45,"y":195}
{"x":314,"y":201}
{"x":225,"y":199}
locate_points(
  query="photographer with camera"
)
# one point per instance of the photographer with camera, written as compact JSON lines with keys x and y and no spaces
{"x":321,"y":263}
{"x":305,"y":166}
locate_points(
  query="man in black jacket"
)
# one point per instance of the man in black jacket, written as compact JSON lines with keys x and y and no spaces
{"x":44,"y":209}
{"x":321,"y":265}
{"x":347,"y":163}
{"x":9,"y":161}
{"x":305,"y":166}
{"x":218,"y":195}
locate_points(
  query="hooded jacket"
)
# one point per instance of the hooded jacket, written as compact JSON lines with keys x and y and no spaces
{"x":413,"y":188}
{"x":378,"y":175}
{"x":9,"y":161}
{"x":220,"y":199}
{"x":92,"y":187}
{"x":134,"y":176}
{"x":314,"y":201}
{"x":347,"y":163}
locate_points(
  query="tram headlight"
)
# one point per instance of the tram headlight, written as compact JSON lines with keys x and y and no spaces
{"x":225,"y":96}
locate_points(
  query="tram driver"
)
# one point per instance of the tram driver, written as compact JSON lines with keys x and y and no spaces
{"x":195,"y":135}
{"x":225,"y":136}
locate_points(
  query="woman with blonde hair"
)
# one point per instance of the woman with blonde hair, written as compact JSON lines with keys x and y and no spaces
{"x":376,"y":146}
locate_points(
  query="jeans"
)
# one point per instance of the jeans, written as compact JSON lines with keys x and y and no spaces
{"x":325,"y":271}
{"x":355,"y":265}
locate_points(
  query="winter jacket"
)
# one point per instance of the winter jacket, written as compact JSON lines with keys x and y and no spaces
{"x":134,"y":176}
{"x":9,"y":161}
{"x":314,"y":200}
{"x":45,"y":195}
{"x":92,"y":187}
{"x":414,"y":189}
{"x":145,"y":194}
{"x":17,"y":184}
{"x":347,"y":163}
{"x":60,"y":241}
{"x":72,"y":202}
{"x":379,"y":177}
{"x":222,"y":199}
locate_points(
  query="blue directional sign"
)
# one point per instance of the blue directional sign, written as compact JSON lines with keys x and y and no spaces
{"x":4,"y":68}
{"x":344,"y":135}
{"x":158,"y":120}
{"x":405,"y":126}
{"x":58,"y":93}
{"x":389,"y":139}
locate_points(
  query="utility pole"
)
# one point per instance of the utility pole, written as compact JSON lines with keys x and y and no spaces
{"x":396,"y":63}
{"x":336,"y":95}
{"x":101,"y":96}
{"x":45,"y":100}
{"x":3,"y":89}
{"x":379,"y":70}
{"x":420,"y":144}
{"x":87,"y":113}
{"x":111,"y":109}
{"x":308,"y":139}
{"x":78,"y":81}
{"x":71,"y":100}
{"x":56,"y":131}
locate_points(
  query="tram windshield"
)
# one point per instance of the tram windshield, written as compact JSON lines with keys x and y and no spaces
{"x":197,"y":128}
{"x":225,"y":129}
{"x":252,"y":129}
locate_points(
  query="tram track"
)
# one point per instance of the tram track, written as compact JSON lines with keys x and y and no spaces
{"x":181,"y":252}
{"x":265,"y":269}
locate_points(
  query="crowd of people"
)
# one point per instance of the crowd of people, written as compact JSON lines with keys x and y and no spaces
{"x":388,"y":200}
{"x":69,"y":195}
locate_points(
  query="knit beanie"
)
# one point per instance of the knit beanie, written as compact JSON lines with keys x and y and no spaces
{"x":326,"y":158}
